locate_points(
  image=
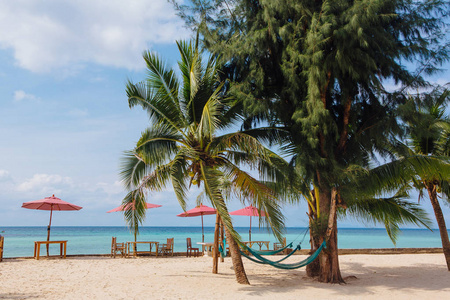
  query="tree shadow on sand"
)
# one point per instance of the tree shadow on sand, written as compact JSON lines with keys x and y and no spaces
{"x":360,"y":279}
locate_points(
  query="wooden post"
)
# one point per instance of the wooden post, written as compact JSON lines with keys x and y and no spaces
{"x":222,"y":237}
{"x":215,"y":253}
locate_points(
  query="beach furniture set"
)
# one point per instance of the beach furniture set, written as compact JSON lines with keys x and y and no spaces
{"x":126,"y":249}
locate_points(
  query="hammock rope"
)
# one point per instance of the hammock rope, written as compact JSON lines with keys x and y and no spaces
{"x":261,"y":260}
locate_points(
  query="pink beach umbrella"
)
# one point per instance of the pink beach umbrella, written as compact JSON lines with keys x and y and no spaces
{"x":123,"y":208}
{"x":200,"y":210}
{"x":250,"y":211}
{"x":50,"y":203}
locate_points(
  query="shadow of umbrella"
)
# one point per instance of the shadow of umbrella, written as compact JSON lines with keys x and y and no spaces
{"x":50,"y":203}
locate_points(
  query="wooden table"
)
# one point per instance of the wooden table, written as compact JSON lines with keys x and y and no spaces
{"x":62,"y":245}
{"x":259,"y":243}
{"x":208,"y":247}
{"x":134,"y":248}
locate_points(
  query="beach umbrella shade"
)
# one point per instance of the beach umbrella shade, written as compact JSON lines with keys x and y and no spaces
{"x":50,"y":203}
{"x":250,"y":211}
{"x":200,"y":210}
{"x":123,"y":208}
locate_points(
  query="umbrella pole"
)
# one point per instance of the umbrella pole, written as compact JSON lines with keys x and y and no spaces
{"x":203,"y":236}
{"x":250,"y":230}
{"x":48,"y":228}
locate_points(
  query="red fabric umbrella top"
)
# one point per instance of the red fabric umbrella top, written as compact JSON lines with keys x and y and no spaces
{"x":51,"y":203}
{"x":121,"y":208}
{"x":248,"y":211}
{"x":198,"y":211}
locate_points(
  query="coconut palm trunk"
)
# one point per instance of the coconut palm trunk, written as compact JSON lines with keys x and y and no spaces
{"x":431,"y":188}
{"x":236,"y":259}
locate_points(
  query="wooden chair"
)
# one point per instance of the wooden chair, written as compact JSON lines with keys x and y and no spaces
{"x":164,"y":249}
{"x":2,"y":241}
{"x":190,"y":249}
{"x":118,"y":248}
{"x":277,"y":246}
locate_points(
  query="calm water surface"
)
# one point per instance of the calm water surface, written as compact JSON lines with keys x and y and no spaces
{"x":19,"y":241}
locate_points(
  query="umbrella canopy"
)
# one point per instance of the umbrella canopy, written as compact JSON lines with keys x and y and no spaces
{"x":123,"y":208}
{"x":50,"y":203}
{"x":250,"y":211}
{"x":200,"y":210}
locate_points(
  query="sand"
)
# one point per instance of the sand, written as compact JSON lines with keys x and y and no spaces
{"x":403,"y":276}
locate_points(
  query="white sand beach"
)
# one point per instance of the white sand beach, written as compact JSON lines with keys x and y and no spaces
{"x":402,"y":276}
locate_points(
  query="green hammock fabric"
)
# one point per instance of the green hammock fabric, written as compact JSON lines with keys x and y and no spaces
{"x":273,"y":252}
{"x":222,"y":250}
{"x":277,"y":264}
{"x":256,"y":254}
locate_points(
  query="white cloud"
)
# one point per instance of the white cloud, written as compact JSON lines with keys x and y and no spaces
{"x":21,"y":95}
{"x":47,"y":35}
{"x":45,"y":184}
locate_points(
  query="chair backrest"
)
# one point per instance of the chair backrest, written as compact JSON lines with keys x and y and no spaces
{"x":113,"y":242}
{"x":189,"y":242}
{"x":170,"y":243}
{"x":284,"y":242}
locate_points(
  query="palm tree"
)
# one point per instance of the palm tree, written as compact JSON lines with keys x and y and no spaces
{"x":428,"y":128}
{"x":182,"y":145}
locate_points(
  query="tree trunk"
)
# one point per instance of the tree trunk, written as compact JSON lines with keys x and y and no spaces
{"x":313,"y":269}
{"x":236,"y":259}
{"x":440,"y":221}
{"x":215,"y":253}
{"x":328,"y":261}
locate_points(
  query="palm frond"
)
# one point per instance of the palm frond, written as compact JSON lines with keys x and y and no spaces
{"x":212,"y":184}
{"x":252,"y":191}
{"x":132,"y":170}
{"x":391,"y":212}
{"x":157,"y":144}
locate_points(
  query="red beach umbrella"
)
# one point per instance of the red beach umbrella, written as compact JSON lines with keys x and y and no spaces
{"x":200,"y":210}
{"x":50,"y":203}
{"x":123,"y":208}
{"x":250,"y":211}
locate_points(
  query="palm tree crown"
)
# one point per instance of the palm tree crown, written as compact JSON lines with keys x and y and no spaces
{"x":183,"y":147}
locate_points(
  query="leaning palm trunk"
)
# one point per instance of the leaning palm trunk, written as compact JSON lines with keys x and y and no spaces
{"x":440,"y":221}
{"x":236,"y":259}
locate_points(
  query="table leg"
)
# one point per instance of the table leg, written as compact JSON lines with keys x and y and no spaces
{"x":38,"y":250}
{"x":35,"y":244}
{"x":65,"y":249}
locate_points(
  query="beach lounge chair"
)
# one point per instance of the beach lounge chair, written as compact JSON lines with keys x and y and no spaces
{"x":190,"y":249}
{"x":277,"y":246}
{"x":166,"y":249}
{"x":2,"y":241}
{"x":118,"y":248}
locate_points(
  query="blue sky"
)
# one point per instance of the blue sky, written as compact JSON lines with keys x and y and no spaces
{"x":64,"y":117}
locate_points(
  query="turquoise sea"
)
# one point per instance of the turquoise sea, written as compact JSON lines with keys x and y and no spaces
{"x":19,"y":241}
